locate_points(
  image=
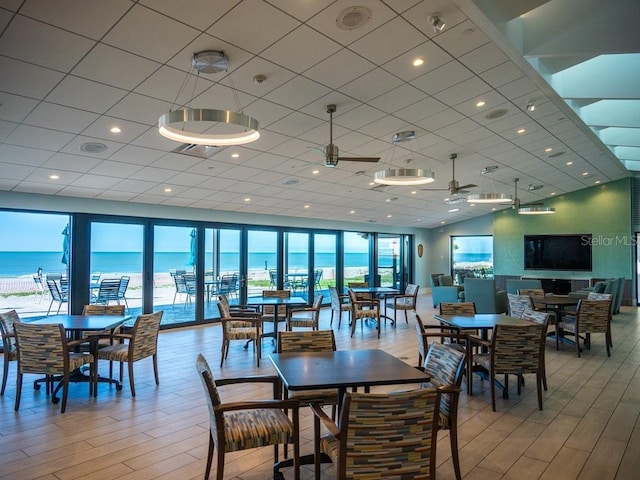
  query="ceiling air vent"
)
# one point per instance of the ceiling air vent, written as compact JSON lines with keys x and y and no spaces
{"x":200,"y":151}
{"x":501,"y":112}
{"x":93,"y":147}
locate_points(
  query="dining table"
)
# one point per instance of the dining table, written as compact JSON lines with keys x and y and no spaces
{"x":557,"y":304}
{"x":483,"y":322}
{"x":287,"y":302}
{"x":378,"y":293}
{"x":341,"y":369}
{"x":75,"y":327}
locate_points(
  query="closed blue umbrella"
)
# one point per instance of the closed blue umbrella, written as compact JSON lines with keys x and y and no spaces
{"x":193,"y":249}
{"x":65,"y":245}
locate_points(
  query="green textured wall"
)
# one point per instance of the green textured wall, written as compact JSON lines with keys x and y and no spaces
{"x":604,"y":211}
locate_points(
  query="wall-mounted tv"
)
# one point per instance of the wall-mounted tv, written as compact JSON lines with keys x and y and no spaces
{"x":558,"y":252}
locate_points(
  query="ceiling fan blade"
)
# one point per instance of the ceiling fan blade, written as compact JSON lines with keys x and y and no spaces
{"x":531,"y":204}
{"x":462,"y":187}
{"x":359,"y":159}
{"x":434,"y":189}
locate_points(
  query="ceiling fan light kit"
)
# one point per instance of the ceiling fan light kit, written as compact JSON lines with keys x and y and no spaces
{"x":536,"y":210}
{"x":193,"y":125}
{"x":532,"y":208}
{"x":490,"y":198}
{"x":404,"y":176}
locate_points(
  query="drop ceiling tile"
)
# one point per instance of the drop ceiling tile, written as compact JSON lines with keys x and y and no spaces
{"x":133,"y":186}
{"x":140,"y":109}
{"x":102,"y":126}
{"x":174,"y":86}
{"x":421,"y":110}
{"x":177,"y":162}
{"x":402,"y":65}
{"x":398,"y":98}
{"x":297,"y":93}
{"x":74,"y":147}
{"x":13,"y":73}
{"x":15,"y":108}
{"x":136,"y":155}
{"x":85,"y":94}
{"x":36,"y":137}
{"x":178,"y":202}
{"x":66,"y":119}
{"x":197,"y":13}
{"x":218,"y":183}
{"x":23,"y":156}
{"x":153,"y":174}
{"x":461,"y":38}
{"x":115,"y":169}
{"x":37,"y":187}
{"x":340,"y":68}
{"x":295,"y":124}
{"x":440,"y":120}
{"x":148,"y":198}
{"x":72,"y":163}
{"x":7,"y":184}
{"x":196,"y":193}
{"x":14,"y":171}
{"x":442,"y":77}
{"x":301,"y":49}
{"x":42,"y":175}
{"x":492,"y":101}
{"x":388,"y":41}
{"x":371,"y":85}
{"x":518,"y":88}
{"x":95,"y":181}
{"x":484,"y":58}
{"x":42,"y":44}
{"x":463,"y":92}
{"x":250,"y":26}
{"x":149,"y":34}
{"x":301,"y":10}
{"x":502,"y":74}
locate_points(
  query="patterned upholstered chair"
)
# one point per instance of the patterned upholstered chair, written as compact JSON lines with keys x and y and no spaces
{"x":238,"y":325}
{"x":268,"y":311}
{"x":339,"y":304}
{"x":514,"y":350}
{"x":363,"y":309}
{"x":242,"y":425}
{"x":445,"y":365}
{"x":359,"y":444}
{"x":44,"y":349}
{"x":592,"y":316}
{"x":7,"y":320}
{"x":531,"y":292}
{"x":141,"y":343}
{"x":459,"y":308}
{"x":404,"y":302}
{"x":105,"y":337}
{"x":543,"y":318}
{"x":308,"y":317}
{"x":519,"y":303}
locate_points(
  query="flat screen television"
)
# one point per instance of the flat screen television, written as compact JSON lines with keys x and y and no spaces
{"x":558,"y":252}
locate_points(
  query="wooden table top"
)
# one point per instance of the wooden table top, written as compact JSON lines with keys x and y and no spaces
{"x":479,"y":320}
{"x":85,"y":322}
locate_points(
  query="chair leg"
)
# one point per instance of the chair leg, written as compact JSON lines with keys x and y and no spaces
{"x":453,"y":435}
{"x":131,"y":384}
{"x":18,"y":390}
{"x":155,"y":368}
{"x":220,"y":463}
{"x":65,"y":391}
{"x":539,"y":388}
{"x":5,"y":374}
{"x":207,"y":469}
{"x":493,"y":390}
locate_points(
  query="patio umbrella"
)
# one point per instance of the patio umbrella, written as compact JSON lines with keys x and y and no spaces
{"x":193,"y":249}
{"x":65,"y":245}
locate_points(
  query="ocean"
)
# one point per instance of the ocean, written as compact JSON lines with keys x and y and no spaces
{"x":14,"y":264}
{"x":472,"y":258}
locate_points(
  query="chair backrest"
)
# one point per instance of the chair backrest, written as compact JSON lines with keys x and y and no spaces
{"x":599,"y":296}
{"x":38,"y":281}
{"x":336,"y":301}
{"x":435,"y":279}
{"x":317,"y":276}
{"x":306,"y":341}
{"x":273,"y":278}
{"x":368,"y":421}
{"x":144,"y":340}
{"x":103,"y":310}
{"x":55,"y":292}
{"x":317,"y":303}
{"x":276,"y":293}
{"x":518,"y":304}
{"x":423,"y":345}
{"x":593,"y":315}
{"x":95,"y":277}
{"x":122,"y":288}
{"x":41,"y":348}
{"x":535,"y":316}
{"x":358,"y":284}
{"x":223,"y":306}
{"x":457,"y":308}
{"x":181,"y":287}
{"x":7,"y":320}
{"x":210,"y":390}
{"x":412,"y":289}
{"x":445,"y":365}
{"x":108,"y":290}
{"x":517,"y":349}
{"x":531,"y":292}
{"x":189,"y":280}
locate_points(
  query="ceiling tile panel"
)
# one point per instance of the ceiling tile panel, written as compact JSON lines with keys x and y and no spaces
{"x":388,"y":41}
{"x":340,"y":68}
{"x":13,"y":74}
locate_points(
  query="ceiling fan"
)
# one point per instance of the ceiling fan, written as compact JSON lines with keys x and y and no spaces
{"x":454,"y":187}
{"x":516,"y":201}
{"x":331,"y":155}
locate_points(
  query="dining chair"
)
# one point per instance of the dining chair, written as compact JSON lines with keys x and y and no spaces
{"x":9,"y":350}
{"x":268,"y":311}
{"x":543,"y":318}
{"x":363,"y":310}
{"x":592,"y":316}
{"x":239,"y":325}
{"x":339,"y":304}
{"x":308,"y":317}
{"x":405,"y":302}
{"x":360,"y":296}
{"x":445,"y":363}
{"x":242,"y":425}
{"x":57,"y":295}
{"x":44,"y":349}
{"x":519,"y":303}
{"x":457,"y":308}
{"x":531,"y":292}
{"x":513,"y":350}
{"x":359,"y":444}
{"x":129,"y":348}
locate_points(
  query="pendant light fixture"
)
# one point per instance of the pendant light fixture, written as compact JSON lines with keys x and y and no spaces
{"x":489,"y":197}
{"x":532,"y":208}
{"x":206,"y":126}
{"x":403,"y":176}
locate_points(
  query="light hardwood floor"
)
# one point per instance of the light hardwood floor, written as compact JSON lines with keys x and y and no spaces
{"x":589,"y":427}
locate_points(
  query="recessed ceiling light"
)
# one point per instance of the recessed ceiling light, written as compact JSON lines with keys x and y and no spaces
{"x":472,"y":204}
{"x":493,"y":209}
{"x":531,"y":106}
{"x":315,"y":172}
{"x":235,"y":155}
{"x":442,"y":222}
{"x":418,"y":219}
{"x":569,"y":162}
{"x":548,"y":149}
{"x":372,"y":183}
{"x":167,"y":190}
{"x":54,"y":177}
{"x":352,"y":212}
{"x":584,"y":174}
{"x":389,"y":216}
{"x":552,"y":193}
{"x":452,"y":210}
{"x":522,"y":130}
{"x":481,"y":103}
{"x":307,"y":206}
{"x":115,"y":130}
{"x":413,"y":192}
{"x":597,"y":182}
{"x":417,"y":62}
{"x":247,"y":199}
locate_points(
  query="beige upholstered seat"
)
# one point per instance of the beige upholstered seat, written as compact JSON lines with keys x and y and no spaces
{"x":543,"y":318}
{"x":43,"y":348}
{"x":404,"y":302}
{"x":10,"y":354}
{"x":141,"y":343}
{"x":308,"y":317}
{"x":592,"y":316}
{"x":444,"y":363}
{"x":363,"y":309}
{"x":359,"y":444}
{"x":268,"y":311}
{"x":242,"y":425}
{"x":238,"y":325}
{"x":339,"y":304}
{"x":514,"y":350}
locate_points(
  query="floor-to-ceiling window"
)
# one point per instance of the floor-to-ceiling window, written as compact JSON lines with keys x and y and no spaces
{"x":471,"y":256}
{"x":325,"y":258}
{"x":297,"y":276}
{"x":262,"y":261}
{"x":356,"y":257}
{"x":388,"y":260}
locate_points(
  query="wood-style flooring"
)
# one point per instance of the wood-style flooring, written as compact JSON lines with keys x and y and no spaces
{"x":589,"y":427}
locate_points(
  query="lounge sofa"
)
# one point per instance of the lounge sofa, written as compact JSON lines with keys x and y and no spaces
{"x":483,"y":292}
{"x":614,"y":286}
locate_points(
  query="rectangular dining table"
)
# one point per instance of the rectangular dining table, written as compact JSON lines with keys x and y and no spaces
{"x":75,"y":326}
{"x":288,"y":302}
{"x":480,"y":321}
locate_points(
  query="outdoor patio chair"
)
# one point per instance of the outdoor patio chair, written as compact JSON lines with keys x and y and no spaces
{"x":242,"y":425}
{"x":108,"y":291}
{"x":57,"y":295}
{"x":40,"y":290}
{"x":122,"y":290}
{"x":9,"y":351}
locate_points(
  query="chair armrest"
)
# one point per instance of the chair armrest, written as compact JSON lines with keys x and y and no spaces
{"x":367,"y":303}
{"x":291,"y":403}
{"x":324,"y":418}
{"x":272,"y":379}
{"x":76,"y":343}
